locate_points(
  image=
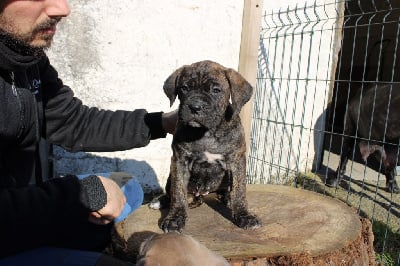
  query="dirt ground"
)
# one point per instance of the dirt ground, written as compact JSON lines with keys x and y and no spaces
{"x":363,"y":189}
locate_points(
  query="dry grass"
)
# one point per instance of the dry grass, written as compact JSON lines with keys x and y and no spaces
{"x":371,"y":201}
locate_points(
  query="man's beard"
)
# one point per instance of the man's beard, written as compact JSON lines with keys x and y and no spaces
{"x":21,"y":43}
{"x":20,"y":46}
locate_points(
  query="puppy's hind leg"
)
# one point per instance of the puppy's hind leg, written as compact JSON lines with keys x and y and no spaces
{"x":391,"y":184}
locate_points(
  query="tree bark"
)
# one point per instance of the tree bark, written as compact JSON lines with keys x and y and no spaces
{"x":300,"y":227}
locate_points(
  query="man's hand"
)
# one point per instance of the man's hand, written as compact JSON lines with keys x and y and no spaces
{"x":115,"y":203}
{"x":169,"y":121}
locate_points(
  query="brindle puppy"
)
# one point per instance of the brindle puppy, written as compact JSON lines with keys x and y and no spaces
{"x":209,"y":148}
{"x":373,"y":119}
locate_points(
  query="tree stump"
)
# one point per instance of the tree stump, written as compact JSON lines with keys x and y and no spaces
{"x":300,"y":227}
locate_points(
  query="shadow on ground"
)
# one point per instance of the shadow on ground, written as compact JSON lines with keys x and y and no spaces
{"x":369,"y":199}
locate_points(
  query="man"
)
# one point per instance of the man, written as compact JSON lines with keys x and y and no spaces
{"x":67,"y":212}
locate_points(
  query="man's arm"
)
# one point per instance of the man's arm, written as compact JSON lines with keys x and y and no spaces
{"x":35,"y":215}
{"x":77,"y":127}
{"x":32,"y":215}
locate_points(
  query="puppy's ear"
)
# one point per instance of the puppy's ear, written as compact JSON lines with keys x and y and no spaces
{"x":145,"y":246}
{"x":241,"y":90}
{"x":170,"y":85}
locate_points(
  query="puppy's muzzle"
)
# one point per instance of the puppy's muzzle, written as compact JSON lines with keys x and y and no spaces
{"x":197,"y":103}
{"x":196,"y":110}
{"x":195,"y":107}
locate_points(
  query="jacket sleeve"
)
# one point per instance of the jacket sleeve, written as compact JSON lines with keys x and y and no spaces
{"x":45,"y":200}
{"x":77,"y":127}
{"x":32,"y":215}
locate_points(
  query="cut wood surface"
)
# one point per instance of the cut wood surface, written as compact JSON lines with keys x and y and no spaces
{"x":299,"y":226}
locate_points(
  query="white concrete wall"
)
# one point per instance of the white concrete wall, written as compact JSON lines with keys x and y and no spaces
{"x":116,"y":54}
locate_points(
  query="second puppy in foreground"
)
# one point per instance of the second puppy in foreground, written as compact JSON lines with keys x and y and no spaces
{"x":209,"y":149}
{"x":173,"y":249}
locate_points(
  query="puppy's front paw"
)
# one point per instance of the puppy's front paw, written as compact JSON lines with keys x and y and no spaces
{"x":247,"y":221}
{"x":174,"y":221}
{"x":196,"y":202}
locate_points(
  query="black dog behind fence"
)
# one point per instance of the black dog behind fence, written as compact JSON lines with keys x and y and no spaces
{"x":327,"y":97}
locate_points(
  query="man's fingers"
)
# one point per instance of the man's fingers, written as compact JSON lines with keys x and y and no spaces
{"x":96,"y":215}
{"x":114,"y":206}
{"x":104,"y":217}
{"x":96,"y":218}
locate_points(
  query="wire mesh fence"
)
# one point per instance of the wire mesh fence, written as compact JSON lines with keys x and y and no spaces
{"x":328,"y":84}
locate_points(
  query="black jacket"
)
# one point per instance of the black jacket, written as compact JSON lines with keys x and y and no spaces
{"x":34,"y":104}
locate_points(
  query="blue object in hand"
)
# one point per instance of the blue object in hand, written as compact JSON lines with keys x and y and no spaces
{"x":133,"y":192}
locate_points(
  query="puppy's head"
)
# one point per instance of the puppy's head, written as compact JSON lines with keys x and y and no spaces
{"x":173,"y":249}
{"x":208,"y":92}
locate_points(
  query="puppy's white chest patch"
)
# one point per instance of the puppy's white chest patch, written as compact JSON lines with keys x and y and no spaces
{"x":212,"y":157}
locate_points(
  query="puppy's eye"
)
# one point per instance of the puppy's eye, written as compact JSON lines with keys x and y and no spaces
{"x":216,"y":89}
{"x":184,"y":88}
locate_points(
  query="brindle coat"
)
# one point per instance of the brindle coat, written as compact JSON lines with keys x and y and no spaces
{"x":373,"y":119}
{"x":209,"y":148}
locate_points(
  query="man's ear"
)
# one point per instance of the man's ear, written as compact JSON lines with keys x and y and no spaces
{"x":170,"y":85}
{"x":240,"y":88}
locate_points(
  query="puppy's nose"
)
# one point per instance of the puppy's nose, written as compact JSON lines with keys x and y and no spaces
{"x":195,"y":107}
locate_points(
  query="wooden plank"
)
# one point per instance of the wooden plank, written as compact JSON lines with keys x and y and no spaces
{"x":251,"y":25}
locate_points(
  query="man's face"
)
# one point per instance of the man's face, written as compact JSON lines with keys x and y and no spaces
{"x":33,"y":22}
